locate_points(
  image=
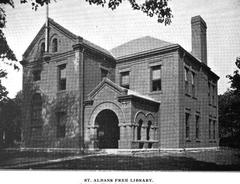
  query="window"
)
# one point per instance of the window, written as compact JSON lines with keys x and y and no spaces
{"x":36,"y":75}
{"x":124,"y":81}
{"x":36,"y":115}
{"x":104,"y":73}
{"x":197,"y":127}
{"x":148,"y":130}
{"x":55,"y":45}
{"x":42,"y":49}
{"x":61,"y":124}
{"x":156,"y":78}
{"x":186,"y":80}
{"x":210,"y":129}
{"x":193,"y":84}
{"x":140,"y":122}
{"x":214,"y":129}
{"x":209,"y":93}
{"x":213,"y":95}
{"x":62,"y":77}
{"x":187,"y":115}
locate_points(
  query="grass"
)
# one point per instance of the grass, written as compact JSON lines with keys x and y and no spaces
{"x":115,"y":162}
{"x":208,"y":160}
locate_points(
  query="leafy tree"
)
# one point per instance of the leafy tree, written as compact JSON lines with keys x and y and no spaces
{"x":10,"y":118}
{"x":151,"y":8}
{"x":229,"y":111}
{"x":235,"y":79}
{"x":5,"y":51}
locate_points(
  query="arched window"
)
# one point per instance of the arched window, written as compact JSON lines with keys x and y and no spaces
{"x":36,"y":110}
{"x":148,"y":129}
{"x":54,"y":45}
{"x":42,"y":49}
{"x":140,"y":122}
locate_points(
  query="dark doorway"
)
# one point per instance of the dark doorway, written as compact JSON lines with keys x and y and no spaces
{"x":108,"y":130}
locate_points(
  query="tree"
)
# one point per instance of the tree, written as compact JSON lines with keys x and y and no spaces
{"x":5,"y":51}
{"x":10,"y":118}
{"x":229,"y":111}
{"x":151,"y":8}
{"x":235,"y":78}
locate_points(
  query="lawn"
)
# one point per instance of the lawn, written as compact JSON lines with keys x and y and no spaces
{"x":121,"y":162}
{"x":208,"y":160}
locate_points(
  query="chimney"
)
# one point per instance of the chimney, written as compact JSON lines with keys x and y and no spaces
{"x":199,"y":38}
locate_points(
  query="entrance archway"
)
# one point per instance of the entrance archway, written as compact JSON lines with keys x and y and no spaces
{"x":108,"y":129}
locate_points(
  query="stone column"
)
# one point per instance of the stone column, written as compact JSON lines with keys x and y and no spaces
{"x":93,"y":136}
{"x":79,"y":57}
{"x":144,"y":132}
{"x":152,"y":133}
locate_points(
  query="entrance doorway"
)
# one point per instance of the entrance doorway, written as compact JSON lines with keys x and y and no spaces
{"x":108,"y":130}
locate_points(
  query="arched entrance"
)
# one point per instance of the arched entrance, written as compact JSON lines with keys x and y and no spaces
{"x":108,"y":129}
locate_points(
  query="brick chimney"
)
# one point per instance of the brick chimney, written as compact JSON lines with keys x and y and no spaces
{"x":199,"y":38}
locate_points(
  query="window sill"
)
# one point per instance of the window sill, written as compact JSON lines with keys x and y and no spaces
{"x":61,"y":91}
{"x":197,"y":140}
{"x":155,"y":92}
{"x":188,"y":140}
{"x":212,"y":141}
{"x":186,"y":94}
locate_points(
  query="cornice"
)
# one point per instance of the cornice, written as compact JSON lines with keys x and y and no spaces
{"x":148,"y":53}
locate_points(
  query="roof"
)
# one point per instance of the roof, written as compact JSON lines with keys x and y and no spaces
{"x":67,"y":33}
{"x":123,"y":92}
{"x":143,"y":44}
{"x":134,"y":93}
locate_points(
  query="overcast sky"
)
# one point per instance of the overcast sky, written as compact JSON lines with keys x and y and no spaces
{"x":108,"y":29}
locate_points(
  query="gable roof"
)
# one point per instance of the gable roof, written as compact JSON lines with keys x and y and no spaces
{"x":108,"y":82}
{"x":143,"y":44}
{"x":123,"y":92}
{"x":67,"y":33}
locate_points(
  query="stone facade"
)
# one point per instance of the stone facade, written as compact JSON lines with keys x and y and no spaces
{"x":76,"y":96}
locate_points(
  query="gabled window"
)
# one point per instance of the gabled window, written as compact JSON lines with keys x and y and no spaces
{"x":61,"y":124}
{"x":124,"y":80}
{"x":54,"y":45}
{"x":36,"y":75}
{"x":197,"y":127}
{"x":156,"y":78}
{"x":187,"y":126}
{"x":62,"y":77}
{"x":186,"y":71}
{"x":104,"y":73}
{"x":42,"y":48}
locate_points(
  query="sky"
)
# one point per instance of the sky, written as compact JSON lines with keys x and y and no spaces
{"x":108,"y":29}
